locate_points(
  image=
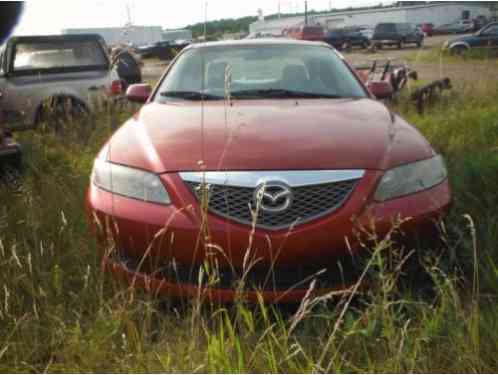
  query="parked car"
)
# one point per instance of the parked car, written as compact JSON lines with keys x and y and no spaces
{"x":339,"y":38}
{"x":309,"y":157}
{"x":452,"y":28}
{"x":311,"y":33}
{"x":397,"y":34}
{"x":165,"y":50}
{"x":36,"y":70}
{"x":263,"y":35}
{"x":487,"y":37}
{"x":427,"y":28}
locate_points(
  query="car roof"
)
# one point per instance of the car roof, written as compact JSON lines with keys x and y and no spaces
{"x":258,"y":42}
{"x":55,"y":38}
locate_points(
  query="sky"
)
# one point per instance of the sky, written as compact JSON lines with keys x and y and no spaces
{"x":51,"y":16}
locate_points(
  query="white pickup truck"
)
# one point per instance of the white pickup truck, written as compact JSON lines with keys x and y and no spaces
{"x":41,"y":71}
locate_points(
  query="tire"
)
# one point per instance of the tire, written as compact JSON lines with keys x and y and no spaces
{"x":458,"y":50}
{"x":401,"y":44}
{"x":128,"y":68}
{"x":55,"y":112}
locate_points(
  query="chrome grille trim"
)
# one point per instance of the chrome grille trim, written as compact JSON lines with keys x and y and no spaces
{"x":253,"y":179}
{"x":311,"y":200}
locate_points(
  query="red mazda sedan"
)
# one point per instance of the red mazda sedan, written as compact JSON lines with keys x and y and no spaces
{"x":259,"y":160}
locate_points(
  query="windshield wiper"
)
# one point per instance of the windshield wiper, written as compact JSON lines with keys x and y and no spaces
{"x":189,"y":95}
{"x":280,"y":93}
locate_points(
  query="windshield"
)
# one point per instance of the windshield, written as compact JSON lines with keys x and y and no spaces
{"x":385,"y":28}
{"x":65,"y":54}
{"x":253,"y":72}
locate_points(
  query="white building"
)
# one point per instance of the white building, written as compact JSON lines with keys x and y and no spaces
{"x":138,"y":35}
{"x":437,"y":13}
{"x":172,"y":35}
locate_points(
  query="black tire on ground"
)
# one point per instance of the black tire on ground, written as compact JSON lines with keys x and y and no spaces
{"x":401,"y":44}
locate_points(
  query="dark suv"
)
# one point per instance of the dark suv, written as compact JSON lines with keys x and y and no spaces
{"x":397,"y":34}
{"x":339,"y":38}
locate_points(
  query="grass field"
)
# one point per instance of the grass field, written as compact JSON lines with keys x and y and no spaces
{"x":59,"y":313}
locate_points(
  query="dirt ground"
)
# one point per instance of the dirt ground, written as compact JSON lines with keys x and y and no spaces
{"x":429,"y":66}
{"x":419,"y":59}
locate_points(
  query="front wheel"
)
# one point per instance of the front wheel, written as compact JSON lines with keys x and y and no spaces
{"x":401,"y":44}
{"x":458,"y":50}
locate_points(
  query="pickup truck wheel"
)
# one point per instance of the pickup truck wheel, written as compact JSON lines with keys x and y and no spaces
{"x":56,"y":112}
{"x":401,"y":44}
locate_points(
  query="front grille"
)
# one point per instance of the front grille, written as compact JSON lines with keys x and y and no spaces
{"x":309,"y":203}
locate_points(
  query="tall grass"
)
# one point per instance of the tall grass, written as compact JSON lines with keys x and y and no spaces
{"x":60,"y":313}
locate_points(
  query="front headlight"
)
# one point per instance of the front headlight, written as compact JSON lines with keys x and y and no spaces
{"x":411,"y":178}
{"x":129,"y":182}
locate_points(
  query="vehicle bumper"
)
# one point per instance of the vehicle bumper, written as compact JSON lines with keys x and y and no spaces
{"x":387,"y":42}
{"x":321,"y":242}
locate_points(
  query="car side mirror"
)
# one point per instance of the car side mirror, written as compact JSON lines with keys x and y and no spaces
{"x":138,"y":93}
{"x":381,"y":89}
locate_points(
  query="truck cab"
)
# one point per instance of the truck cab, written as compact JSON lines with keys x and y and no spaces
{"x":35,"y":70}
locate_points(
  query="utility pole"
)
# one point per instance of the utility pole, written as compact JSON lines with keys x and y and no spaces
{"x":306,"y":13}
{"x":278,"y":9}
{"x":205,"y":19}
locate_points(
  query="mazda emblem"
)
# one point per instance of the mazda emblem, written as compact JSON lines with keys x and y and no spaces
{"x":273,"y":197}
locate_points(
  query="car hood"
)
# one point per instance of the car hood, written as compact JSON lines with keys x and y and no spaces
{"x":266,"y":135}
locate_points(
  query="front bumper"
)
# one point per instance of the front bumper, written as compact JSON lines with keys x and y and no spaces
{"x":135,"y":226}
{"x":217,"y":287}
{"x":385,"y":41}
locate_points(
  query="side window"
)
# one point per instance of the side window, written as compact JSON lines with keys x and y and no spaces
{"x":492,"y":31}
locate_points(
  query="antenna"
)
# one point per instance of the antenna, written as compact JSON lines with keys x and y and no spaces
{"x":128,"y":27}
{"x":128,"y":12}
